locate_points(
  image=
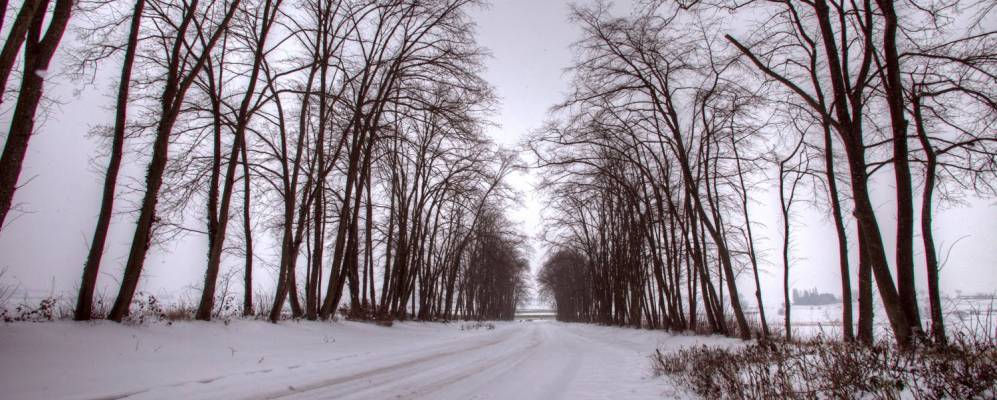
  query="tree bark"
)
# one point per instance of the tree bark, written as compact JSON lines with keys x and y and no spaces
{"x":866,"y":318}
{"x":247,"y":296}
{"x":905,"y":203}
{"x":243,"y":117}
{"x":15,"y":38}
{"x":927,"y":236}
{"x":839,"y":227}
{"x":38,"y":52}
{"x":84,"y":302}
{"x":174,"y":93}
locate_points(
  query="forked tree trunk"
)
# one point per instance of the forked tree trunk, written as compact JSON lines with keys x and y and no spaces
{"x":15,"y":39}
{"x":38,"y":52}
{"x":893,"y":89}
{"x":174,"y":93}
{"x":927,"y":236}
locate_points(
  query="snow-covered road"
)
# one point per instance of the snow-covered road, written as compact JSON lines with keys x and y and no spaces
{"x":254,"y":360}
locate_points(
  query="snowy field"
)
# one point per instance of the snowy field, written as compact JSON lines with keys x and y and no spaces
{"x":341,"y":360}
{"x":972,"y":316}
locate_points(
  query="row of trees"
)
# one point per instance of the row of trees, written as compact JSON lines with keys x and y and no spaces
{"x":349,"y":133}
{"x":673,"y":124}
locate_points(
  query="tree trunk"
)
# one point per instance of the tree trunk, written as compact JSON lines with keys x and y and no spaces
{"x":38,"y":52}
{"x":241,"y":124}
{"x":905,"y":203}
{"x":787,"y":306}
{"x":84,"y":302}
{"x":866,"y":318}
{"x":751,"y":240}
{"x":247,"y":296}
{"x":927,"y":236}
{"x":839,"y":226}
{"x":206,"y":305}
{"x":873,"y":244}
{"x":173,"y":97}
{"x":15,"y":38}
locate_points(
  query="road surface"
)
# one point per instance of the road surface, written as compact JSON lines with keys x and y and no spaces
{"x":298,"y":360}
{"x":525,"y":360}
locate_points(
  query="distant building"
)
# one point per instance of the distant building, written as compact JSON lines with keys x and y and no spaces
{"x":813,"y":298}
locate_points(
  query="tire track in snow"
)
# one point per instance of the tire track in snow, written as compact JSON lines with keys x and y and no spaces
{"x":516,"y":361}
{"x":234,"y":385}
{"x":422,"y":376}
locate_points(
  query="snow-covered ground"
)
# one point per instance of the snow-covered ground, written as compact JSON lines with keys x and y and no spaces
{"x":972,"y":316}
{"x":322,"y":360}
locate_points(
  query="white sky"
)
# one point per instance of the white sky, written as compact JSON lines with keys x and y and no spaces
{"x":529,"y":39}
{"x":530,"y":42}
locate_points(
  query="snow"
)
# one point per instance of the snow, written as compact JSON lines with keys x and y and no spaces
{"x":970,"y":316}
{"x":323,"y":360}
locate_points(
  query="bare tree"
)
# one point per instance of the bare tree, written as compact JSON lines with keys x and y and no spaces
{"x":40,"y":42}
{"x":84,"y":303}
{"x":185,"y":60}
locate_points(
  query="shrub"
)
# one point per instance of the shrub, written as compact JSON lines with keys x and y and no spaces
{"x":144,"y":307}
{"x":262,"y":304}
{"x":101,"y":305}
{"x":825,"y":369}
{"x":366,"y":312}
{"x":46,"y":310}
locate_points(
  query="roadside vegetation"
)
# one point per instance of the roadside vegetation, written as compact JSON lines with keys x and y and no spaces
{"x":688,"y":122}
{"x":338,"y":145}
{"x":827,"y":368}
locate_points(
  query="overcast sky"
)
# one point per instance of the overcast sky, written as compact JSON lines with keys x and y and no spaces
{"x":45,"y":245}
{"x":530,"y":45}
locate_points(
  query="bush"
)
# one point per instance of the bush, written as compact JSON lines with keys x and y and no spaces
{"x":754,"y":327}
{"x":101,"y":306}
{"x":367,"y":312}
{"x":262,"y":304}
{"x":825,"y":369}
{"x":144,"y":307}
{"x":46,"y":310}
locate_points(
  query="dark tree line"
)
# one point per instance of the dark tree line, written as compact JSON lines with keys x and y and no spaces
{"x":349,"y":133}
{"x":673,"y":122}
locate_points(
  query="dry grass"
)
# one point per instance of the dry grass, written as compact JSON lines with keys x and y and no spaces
{"x":828,"y":369}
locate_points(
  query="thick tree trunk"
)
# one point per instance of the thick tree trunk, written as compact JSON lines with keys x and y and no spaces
{"x":173,"y":97}
{"x":84,"y":302}
{"x":38,"y":52}
{"x":142,"y":238}
{"x":15,"y":38}
{"x":243,"y":117}
{"x":873,"y":243}
{"x":3,"y":12}
{"x":905,"y":203}
{"x":866,"y":317}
